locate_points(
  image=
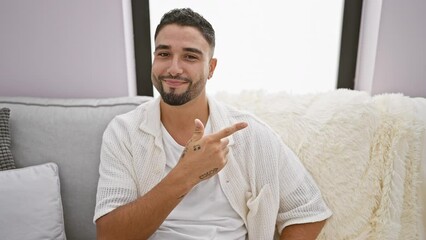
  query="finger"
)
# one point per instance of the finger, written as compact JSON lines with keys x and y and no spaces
{"x":224,"y":143}
{"x":225,"y":150}
{"x":228,"y":131}
{"x":198,"y":130}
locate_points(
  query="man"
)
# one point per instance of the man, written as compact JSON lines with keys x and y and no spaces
{"x":184,"y":166}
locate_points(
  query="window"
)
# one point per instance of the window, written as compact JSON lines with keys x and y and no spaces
{"x":274,"y":45}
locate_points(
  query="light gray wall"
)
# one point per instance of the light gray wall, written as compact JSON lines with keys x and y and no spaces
{"x":54,"y":48}
{"x":392,"y":51}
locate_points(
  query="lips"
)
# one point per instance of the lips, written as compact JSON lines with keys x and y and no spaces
{"x":175,"y":83}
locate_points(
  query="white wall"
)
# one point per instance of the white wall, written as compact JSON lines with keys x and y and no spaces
{"x":392,"y":52}
{"x":65,"y":49}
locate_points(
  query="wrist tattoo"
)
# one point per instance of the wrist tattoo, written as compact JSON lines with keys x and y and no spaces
{"x":209,"y":173}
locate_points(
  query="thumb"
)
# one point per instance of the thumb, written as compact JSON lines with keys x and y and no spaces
{"x":198,"y":130}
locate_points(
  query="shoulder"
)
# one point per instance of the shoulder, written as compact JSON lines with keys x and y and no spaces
{"x":130,"y":121}
{"x":134,"y":116}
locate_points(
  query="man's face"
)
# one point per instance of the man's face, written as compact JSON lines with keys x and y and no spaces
{"x":182,"y":64}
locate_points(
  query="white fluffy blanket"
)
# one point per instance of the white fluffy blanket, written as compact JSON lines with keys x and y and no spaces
{"x":364,"y":152}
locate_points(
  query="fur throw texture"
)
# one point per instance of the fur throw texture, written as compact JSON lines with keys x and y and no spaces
{"x":364,"y":152}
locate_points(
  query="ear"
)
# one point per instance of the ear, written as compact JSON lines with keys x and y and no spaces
{"x":212,"y":66}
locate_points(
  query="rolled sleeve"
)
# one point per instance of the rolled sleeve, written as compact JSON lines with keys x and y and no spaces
{"x":116,"y":186}
{"x":300,"y":197}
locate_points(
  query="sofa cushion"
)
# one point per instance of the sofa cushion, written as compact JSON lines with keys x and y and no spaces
{"x":31,"y":206}
{"x":69,"y":133}
{"x":6,"y":159}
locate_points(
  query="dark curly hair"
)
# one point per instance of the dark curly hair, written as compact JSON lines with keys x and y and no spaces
{"x":187,"y":17}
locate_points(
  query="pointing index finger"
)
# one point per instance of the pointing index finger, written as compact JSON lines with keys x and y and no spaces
{"x":228,"y":131}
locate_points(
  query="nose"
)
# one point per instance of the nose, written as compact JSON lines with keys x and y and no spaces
{"x":175,"y":69}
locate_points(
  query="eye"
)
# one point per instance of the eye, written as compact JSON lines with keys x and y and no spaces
{"x":163,"y":54}
{"x":190,"y":57}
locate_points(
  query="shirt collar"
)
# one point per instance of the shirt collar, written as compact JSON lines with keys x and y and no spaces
{"x":151,"y":119}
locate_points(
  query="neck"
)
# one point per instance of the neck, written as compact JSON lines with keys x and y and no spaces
{"x":179,"y":120}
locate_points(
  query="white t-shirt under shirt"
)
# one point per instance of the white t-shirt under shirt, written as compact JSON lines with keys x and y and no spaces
{"x":205,"y":212}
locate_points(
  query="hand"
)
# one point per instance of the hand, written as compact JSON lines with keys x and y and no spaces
{"x":205,"y":156}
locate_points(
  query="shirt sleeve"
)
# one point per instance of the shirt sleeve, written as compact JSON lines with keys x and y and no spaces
{"x":117,"y":185}
{"x":300,"y":197}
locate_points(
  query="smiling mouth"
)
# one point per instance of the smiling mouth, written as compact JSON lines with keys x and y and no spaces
{"x":175,"y":83}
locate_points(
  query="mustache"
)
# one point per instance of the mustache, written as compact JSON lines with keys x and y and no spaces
{"x":175,"y":78}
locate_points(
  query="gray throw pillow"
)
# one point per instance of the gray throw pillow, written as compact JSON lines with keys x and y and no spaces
{"x":6,"y":159}
{"x":31,"y":203}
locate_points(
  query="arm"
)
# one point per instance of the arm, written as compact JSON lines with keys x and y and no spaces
{"x":306,"y":231}
{"x":142,"y":217}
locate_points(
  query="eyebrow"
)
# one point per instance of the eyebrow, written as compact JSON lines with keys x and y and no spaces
{"x":188,"y":49}
{"x":162,"y":46}
{"x":194,"y":50}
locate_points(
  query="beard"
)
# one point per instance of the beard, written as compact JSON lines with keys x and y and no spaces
{"x":176,"y":99}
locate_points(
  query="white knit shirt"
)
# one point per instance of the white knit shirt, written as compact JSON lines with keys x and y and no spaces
{"x":204,"y":213}
{"x":264,"y":181}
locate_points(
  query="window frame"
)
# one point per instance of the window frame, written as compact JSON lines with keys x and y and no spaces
{"x":352,"y":14}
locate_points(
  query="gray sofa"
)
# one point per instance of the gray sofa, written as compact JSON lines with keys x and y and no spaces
{"x":67,"y":132}
{"x":362,"y":150}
